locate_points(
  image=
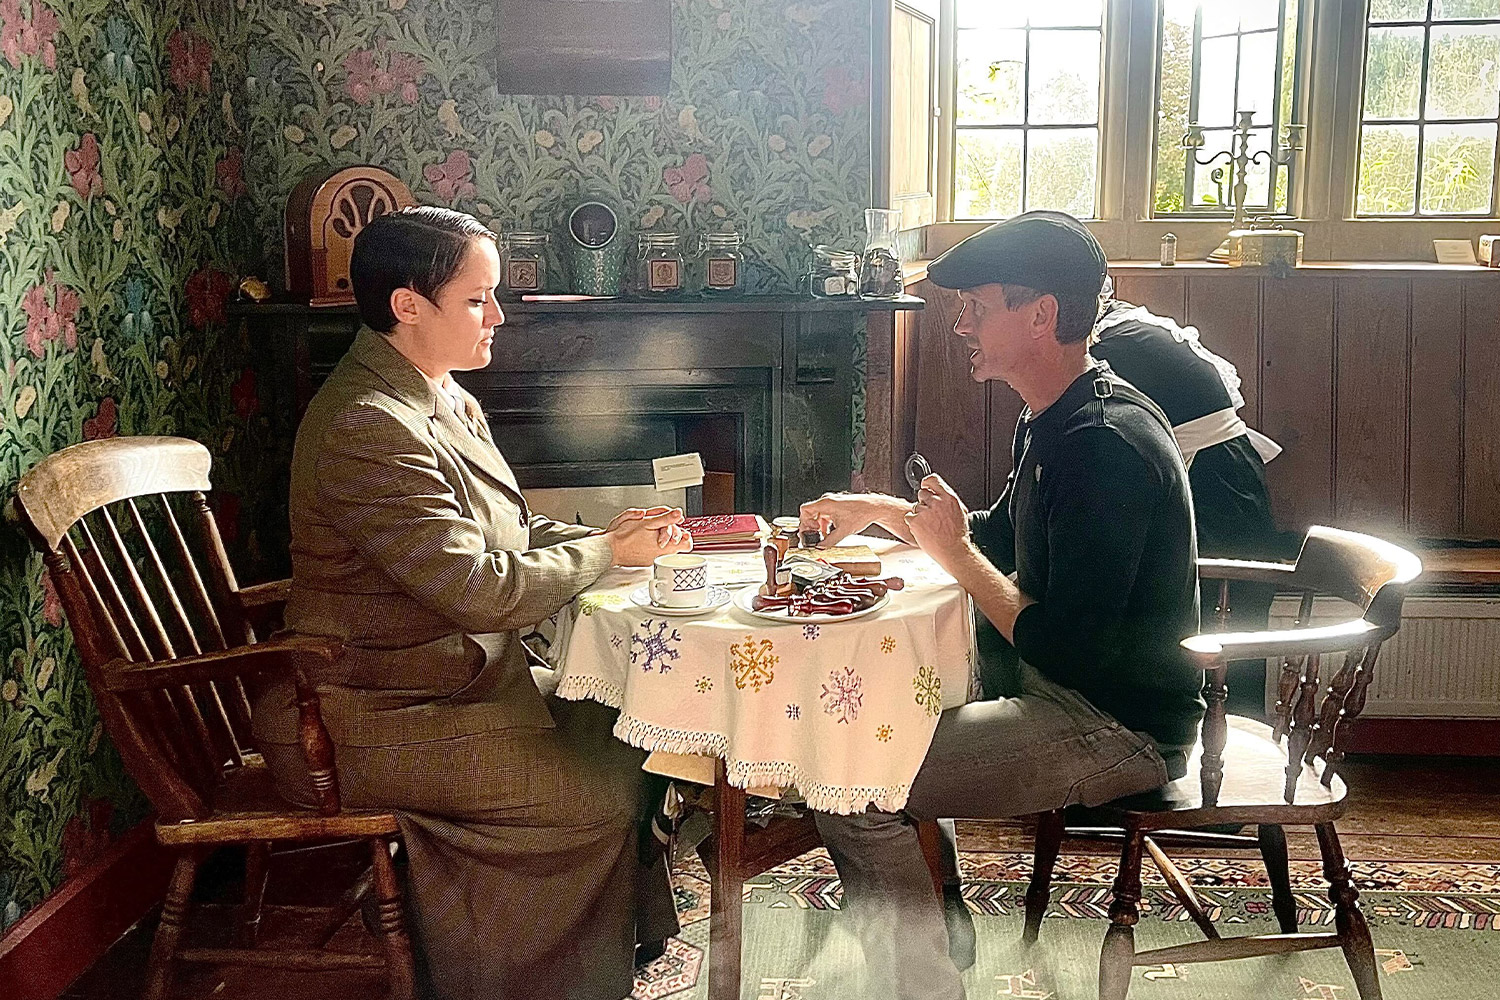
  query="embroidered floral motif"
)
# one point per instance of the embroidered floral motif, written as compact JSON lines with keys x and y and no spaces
{"x":704,"y":685}
{"x":589,"y":603}
{"x":794,"y":712}
{"x":887,"y":645}
{"x":753,"y":663}
{"x":656,"y":646}
{"x":929,"y":690}
{"x":843,"y":694}
{"x":883,"y":734}
{"x":616,"y":641}
{"x":809,"y":631}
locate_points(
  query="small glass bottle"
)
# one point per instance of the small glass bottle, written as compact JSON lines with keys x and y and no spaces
{"x":723,"y":263}
{"x":834,"y":274}
{"x":658,"y":264}
{"x":1169,"y":250}
{"x":525,"y":266}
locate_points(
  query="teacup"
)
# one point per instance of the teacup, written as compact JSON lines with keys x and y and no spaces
{"x":679,"y":581}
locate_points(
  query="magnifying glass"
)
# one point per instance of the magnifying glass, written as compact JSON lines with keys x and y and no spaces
{"x":917,"y":470}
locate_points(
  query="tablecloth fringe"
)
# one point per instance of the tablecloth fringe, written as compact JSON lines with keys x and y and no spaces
{"x":577,"y":687}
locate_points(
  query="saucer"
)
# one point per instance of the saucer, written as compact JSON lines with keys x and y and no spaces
{"x":717,"y":597}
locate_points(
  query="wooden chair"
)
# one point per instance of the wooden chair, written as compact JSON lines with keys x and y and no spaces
{"x":734,"y":853}
{"x":1249,"y":773}
{"x":168,"y":641}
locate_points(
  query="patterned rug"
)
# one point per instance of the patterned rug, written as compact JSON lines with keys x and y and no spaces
{"x":1435,"y":929}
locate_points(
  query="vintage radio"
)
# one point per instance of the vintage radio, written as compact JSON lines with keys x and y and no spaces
{"x":323,"y":215}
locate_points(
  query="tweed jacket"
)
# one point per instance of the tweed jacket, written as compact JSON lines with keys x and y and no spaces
{"x":412,"y":544}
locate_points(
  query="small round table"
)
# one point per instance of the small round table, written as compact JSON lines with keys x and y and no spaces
{"x":844,"y":711}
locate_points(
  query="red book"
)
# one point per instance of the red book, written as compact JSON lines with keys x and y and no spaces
{"x":725,"y":532}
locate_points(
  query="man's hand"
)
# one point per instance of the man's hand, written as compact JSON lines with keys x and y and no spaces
{"x":639,"y":536}
{"x":839,"y":515}
{"x":939,"y":522}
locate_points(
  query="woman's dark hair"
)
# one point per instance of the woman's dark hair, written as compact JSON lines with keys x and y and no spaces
{"x":418,"y":248}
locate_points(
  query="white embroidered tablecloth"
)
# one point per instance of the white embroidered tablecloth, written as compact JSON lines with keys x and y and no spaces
{"x":843,"y":711}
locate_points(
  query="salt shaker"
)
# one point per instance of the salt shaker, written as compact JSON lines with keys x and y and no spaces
{"x":1169,"y":250}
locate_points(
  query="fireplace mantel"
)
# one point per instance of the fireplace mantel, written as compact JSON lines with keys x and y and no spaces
{"x":586,"y":393}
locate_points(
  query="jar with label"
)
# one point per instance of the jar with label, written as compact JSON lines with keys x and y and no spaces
{"x":834,"y":273}
{"x":658,"y":264}
{"x":524,"y":268}
{"x":1169,"y":250}
{"x":723,"y":262}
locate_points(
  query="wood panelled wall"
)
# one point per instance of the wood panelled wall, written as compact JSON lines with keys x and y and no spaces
{"x":1382,"y":386}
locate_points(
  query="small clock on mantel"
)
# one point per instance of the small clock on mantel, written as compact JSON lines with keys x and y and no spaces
{"x":323,"y":215}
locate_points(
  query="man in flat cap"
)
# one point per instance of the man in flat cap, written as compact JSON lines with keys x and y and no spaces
{"x":1085,"y":566}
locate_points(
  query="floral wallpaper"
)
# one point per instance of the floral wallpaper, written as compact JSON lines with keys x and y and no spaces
{"x":766,"y":127}
{"x":123,"y":218}
{"x":146,"y":151}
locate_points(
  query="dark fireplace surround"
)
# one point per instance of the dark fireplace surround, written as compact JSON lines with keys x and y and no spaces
{"x":586,"y":394}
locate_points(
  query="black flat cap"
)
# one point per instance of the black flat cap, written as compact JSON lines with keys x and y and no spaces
{"x":1048,"y":251}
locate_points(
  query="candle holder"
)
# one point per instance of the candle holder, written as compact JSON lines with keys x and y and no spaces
{"x":1238,"y":163}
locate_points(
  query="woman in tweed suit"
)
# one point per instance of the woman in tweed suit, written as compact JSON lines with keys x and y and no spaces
{"x":412,"y":544}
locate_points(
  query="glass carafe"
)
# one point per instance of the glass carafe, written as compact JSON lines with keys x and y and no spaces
{"x":880,"y":274}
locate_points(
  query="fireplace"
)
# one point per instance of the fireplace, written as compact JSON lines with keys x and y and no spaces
{"x":585,"y":394}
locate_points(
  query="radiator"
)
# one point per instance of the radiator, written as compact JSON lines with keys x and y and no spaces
{"x":1444,"y":663}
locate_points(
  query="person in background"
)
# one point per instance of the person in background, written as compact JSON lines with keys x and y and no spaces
{"x":414,"y":547}
{"x":1200,"y":394}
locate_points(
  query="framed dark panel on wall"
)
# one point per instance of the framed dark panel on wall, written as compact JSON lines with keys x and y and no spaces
{"x":612,"y":47}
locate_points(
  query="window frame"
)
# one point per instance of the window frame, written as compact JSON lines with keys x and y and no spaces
{"x":1321,"y":199}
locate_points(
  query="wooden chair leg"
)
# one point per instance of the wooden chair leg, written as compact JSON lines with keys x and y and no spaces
{"x":1354,"y":933}
{"x":726,"y":893}
{"x":1183,"y":890}
{"x":396,"y":943}
{"x":1117,"y":956}
{"x":257,"y":868}
{"x":1049,"y":838}
{"x":349,"y":904}
{"x":1278,"y":871}
{"x":169,"y":931}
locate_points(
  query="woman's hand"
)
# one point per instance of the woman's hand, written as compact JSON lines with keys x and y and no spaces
{"x":939,"y":522}
{"x":639,"y":536}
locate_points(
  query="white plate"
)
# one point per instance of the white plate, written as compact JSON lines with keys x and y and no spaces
{"x":717,"y":598}
{"x":744,"y":597}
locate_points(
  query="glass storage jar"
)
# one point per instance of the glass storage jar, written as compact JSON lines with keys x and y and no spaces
{"x":525,"y":265}
{"x":834,"y":273}
{"x":658,"y":264}
{"x":723,"y":263}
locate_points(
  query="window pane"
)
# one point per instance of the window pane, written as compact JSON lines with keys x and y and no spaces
{"x":991,"y":75}
{"x":1393,"y":73}
{"x":990,"y":14}
{"x":1175,"y":88}
{"x":987,"y":173}
{"x":1060,"y":170}
{"x":1444,"y":10}
{"x":1458,"y":167}
{"x":1463,"y":72}
{"x":1219,"y":17}
{"x":1258,"y":76}
{"x":1062,"y":13}
{"x":1064,"y":78}
{"x":1394,"y":10}
{"x":1258,"y":14}
{"x":1387,"y":170}
{"x":1216,"y":81}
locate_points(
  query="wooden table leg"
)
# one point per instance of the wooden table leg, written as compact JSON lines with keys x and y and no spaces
{"x":726,"y":875}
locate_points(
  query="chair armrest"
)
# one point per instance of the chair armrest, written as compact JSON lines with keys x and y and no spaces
{"x":1211,"y":650}
{"x":219,"y":665}
{"x":261,"y":594}
{"x":1244,"y":569}
{"x":264,"y":605}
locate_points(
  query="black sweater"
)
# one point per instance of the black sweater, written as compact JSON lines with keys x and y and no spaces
{"x":1097,"y":523}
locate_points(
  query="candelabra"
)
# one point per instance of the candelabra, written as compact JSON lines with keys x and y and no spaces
{"x":1239,"y":162}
